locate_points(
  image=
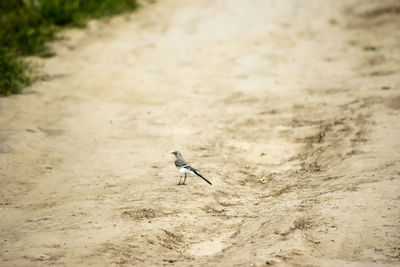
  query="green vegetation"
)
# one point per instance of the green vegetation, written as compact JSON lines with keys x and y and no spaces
{"x":26,"y":26}
{"x":13,"y":75}
{"x":369,"y":48}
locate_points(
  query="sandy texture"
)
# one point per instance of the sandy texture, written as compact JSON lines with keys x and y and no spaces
{"x":291,"y":108}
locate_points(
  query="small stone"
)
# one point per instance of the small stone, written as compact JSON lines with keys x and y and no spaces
{"x":44,"y":257}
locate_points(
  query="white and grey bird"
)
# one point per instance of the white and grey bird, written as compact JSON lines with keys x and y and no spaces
{"x":185,"y":168}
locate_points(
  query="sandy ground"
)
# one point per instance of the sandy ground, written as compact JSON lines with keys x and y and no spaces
{"x":291,"y":108}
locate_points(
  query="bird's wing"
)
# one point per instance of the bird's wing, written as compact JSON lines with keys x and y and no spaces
{"x":180,"y":162}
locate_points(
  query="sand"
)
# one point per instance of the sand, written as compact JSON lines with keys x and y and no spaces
{"x":291,"y":108}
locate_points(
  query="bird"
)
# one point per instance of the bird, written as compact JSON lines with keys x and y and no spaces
{"x":185,"y":168}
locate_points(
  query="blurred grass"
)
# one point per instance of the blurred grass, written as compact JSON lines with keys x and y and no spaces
{"x":27,"y":25}
{"x":13,"y":73}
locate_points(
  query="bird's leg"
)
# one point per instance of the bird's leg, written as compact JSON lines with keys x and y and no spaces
{"x":180,"y":178}
{"x":185,"y":178}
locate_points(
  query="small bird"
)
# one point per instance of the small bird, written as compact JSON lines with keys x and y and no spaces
{"x":185,"y":168}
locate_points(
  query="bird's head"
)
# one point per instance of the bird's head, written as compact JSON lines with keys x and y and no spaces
{"x":177,"y":153}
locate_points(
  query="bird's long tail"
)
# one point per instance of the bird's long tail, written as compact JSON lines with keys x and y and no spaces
{"x":198,"y":174}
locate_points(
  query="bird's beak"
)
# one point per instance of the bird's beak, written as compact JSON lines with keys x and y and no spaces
{"x":172,"y":152}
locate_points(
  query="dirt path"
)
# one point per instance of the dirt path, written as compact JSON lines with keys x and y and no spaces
{"x":291,"y":108}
